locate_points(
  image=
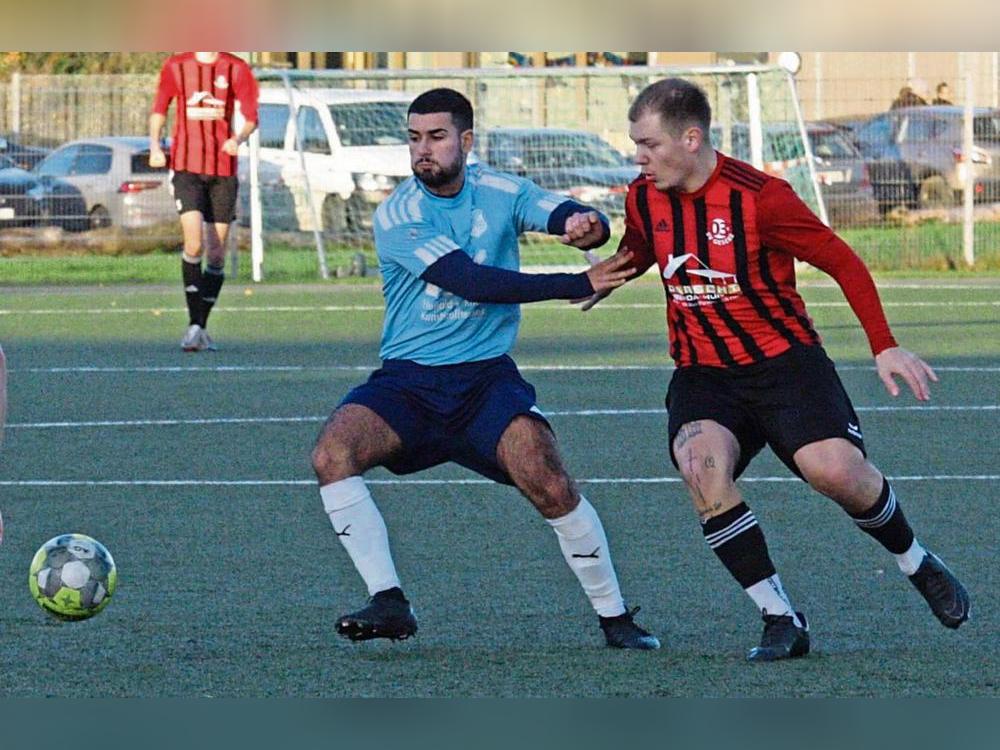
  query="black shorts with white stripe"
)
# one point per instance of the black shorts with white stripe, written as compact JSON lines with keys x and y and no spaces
{"x":787,"y":402}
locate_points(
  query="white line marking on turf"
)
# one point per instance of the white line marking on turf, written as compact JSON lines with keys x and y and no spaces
{"x":556,"y":413}
{"x":84,"y":369}
{"x":312,"y":482}
{"x":381,"y":308}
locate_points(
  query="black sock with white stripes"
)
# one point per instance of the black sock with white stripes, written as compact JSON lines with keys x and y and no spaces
{"x":886,"y":523}
{"x":739,"y":543}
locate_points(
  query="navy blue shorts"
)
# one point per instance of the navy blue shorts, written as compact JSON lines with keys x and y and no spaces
{"x":448,"y":412}
{"x":786,"y":402}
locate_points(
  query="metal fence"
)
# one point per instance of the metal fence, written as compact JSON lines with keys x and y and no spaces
{"x":907,"y":187}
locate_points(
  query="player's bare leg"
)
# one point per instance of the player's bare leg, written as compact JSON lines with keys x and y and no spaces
{"x":353,"y":440}
{"x":838,"y":469}
{"x":527,"y":452}
{"x":707,"y":454}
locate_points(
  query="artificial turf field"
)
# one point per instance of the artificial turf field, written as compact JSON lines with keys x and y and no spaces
{"x":194,"y":471}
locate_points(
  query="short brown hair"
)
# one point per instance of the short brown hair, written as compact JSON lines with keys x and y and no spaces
{"x":679,"y":103}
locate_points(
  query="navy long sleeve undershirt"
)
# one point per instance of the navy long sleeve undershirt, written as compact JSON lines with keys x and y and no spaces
{"x":457,"y":273}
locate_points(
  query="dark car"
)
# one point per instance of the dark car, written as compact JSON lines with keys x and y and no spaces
{"x":915,"y":155}
{"x":841,"y":171}
{"x":25,"y":157}
{"x":571,"y":162}
{"x":29,"y":200}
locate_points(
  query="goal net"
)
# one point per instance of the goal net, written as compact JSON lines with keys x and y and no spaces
{"x":332,"y":145}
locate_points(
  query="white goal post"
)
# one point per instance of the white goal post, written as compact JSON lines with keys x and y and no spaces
{"x":332,"y":144}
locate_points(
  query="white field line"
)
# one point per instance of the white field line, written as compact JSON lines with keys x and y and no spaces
{"x":317,"y":419}
{"x":405,"y":482}
{"x":83,"y":369}
{"x":239,"y":309}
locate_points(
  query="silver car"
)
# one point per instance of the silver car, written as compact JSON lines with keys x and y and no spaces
{"x":118,"y":185}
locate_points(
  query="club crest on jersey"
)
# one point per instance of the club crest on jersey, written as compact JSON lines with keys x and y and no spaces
{"x":720,"y":233}
{"x":221,"y":82}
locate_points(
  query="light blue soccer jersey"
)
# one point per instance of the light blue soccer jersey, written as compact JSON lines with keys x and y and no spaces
{"x":414,"y":228}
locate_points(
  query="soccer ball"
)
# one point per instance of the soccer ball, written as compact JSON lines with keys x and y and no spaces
{"x":72,"y":577}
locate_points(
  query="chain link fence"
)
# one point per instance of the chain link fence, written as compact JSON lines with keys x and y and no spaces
{"x":893,"y":181}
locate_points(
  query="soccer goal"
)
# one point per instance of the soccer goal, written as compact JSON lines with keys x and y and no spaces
{"x":332,"y":145}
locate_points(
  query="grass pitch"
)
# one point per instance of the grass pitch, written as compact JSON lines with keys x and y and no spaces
{"x":194,"y":471}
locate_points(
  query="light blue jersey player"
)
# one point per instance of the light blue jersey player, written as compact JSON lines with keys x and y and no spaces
{"x":447,"y":389}
{"x":415,"y":228}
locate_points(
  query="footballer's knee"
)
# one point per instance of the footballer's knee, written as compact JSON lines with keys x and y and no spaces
{"x":838,"y":469}
{"x":333,"y":459}
{"x":706,"y":454}
{"x":555,"y":496}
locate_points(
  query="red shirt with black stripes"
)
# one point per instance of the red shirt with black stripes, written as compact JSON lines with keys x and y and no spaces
{"x":206,"y":95}
{"x":726,"y":254}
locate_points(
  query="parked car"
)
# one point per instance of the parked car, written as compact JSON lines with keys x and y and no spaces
{"x":25,"y":157}
{"x":29,"y":200}
{"x":114,"y":176}
{"x":916,"y":158}
{"x":354,"y":148}
{"x":843,"y":175}
{"x":571,"y":162}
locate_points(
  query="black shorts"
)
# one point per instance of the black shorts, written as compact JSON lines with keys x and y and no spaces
{"x":214,"y":196}
{"x":786,"y":402}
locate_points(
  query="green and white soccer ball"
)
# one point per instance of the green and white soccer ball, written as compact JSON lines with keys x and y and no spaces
{"x":72,"y":577}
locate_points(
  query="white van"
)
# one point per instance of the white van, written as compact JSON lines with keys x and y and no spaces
{"x":354,"y":145}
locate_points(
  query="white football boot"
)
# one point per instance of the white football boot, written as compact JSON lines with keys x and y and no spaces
{"x":193,"y":340}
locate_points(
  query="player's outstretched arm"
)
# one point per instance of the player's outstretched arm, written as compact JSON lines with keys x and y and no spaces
{"x":457,"y":273}
{"x":912,"y":369}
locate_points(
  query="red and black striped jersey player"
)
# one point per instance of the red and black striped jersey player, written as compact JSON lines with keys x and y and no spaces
{"x":208,"y":86}
{"x":750,"y":368}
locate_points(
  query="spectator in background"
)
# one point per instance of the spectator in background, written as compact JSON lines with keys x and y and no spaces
{"x":914,"y":94}
{"x":942,"y":94}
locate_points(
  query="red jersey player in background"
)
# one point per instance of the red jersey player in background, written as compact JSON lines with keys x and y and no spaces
{"x":207,"y":87}
{"x":750,"y":366}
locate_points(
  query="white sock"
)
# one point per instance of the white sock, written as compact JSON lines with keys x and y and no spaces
{"x":769,"y":596}
{"x":585,"y":547}
{"x":910,"y":560}
{"x":361,"y":529}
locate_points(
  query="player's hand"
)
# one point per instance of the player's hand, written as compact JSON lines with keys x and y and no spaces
{"x":583,"y":230}
{"x":231,"y":147}
{"x":911,"y":368}
{"x":586,"y":303}
{"x":606,"y":275}
{"x":157,"y":158}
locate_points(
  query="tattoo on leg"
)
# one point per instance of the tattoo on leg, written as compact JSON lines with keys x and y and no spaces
{"x":687,"y":432}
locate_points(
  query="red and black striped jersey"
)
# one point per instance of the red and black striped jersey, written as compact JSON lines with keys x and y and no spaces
{"x":726,"y":254}
{"x":206,"y":96}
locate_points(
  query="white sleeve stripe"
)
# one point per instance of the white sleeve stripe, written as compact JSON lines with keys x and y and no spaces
{"x":425,"y":256}
{"x":548,"y":204}
{"x":397,"y":218}
{"x":413,"y":204}
{"x":382,"y":214}
{"x":444,"y":243}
